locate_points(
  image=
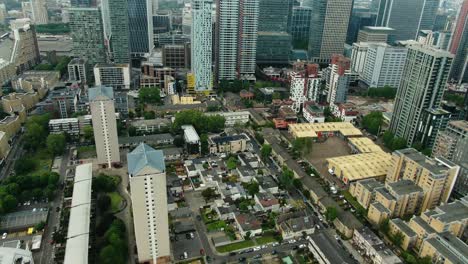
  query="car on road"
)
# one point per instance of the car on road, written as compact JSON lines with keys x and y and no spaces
{"x":275,"y":244}
{"x":242,"y":259}
{"x":292,"y":241}
{"x":232,"y":253}
{"x":274,"y":252}
{"x":247,"y":251}
{"x":295,"y":247}
{"x":302,"y":246}
{"x":337,"y":237}
{"x":198,"y":217}
{"x":4,"y":235}
{"x":258,"y":256}
{"x":264,"y":246}
{"x":256,"y":248}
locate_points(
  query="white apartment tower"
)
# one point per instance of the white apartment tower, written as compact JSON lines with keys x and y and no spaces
{"x":338,"y":78}
{"x":101,"y":102}
{"x":304,"y":86}
{"x":147,"y":178}
{"x":202,"y":44}
{"x":237,"y":27}
{"x":39,"y":12}
{"x":384,"y":65}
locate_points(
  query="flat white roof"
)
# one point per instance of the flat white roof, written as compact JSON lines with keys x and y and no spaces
{"x":76,"y":251}
{"x":190,"y":134}
{"x":63,"y":120}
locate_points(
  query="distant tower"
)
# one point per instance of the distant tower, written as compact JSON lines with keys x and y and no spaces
{"x":416,"y":96}
{"x":87,"y":34}
{"x":201,"y":40}
{"x":328,"y":28}
{"x":459,"y":46}
{"x":101,"y":102}
{"x":140,"y":18}
{"x":39,"y":12}
{"x":116,"y":29}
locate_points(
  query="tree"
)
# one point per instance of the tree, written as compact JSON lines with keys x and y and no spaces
{"x":252,"y":187}
{"x":110,"y":255}
{"x":302,"y":145}
{"x":104,"y":183}
{"x":372,"y":122}
{"x":40,"y":226}
{"x":149,"y":115}
{"x":104,"y":202}
{"x":178,"y":141}
{"x":208,"y":194}
{"x":259,"y":137}
{"x":132,"y":131}
{"x":384,"y":226}
{"x":9,"y":203}
{"x":265,"y":152}
{"x":34,"y":136}
{"x":56,"y":144}
{"x":25,"y":165}
{"x":204,"y":144}
{"x":248,"y":235}
{"x":149,"y":95}
{"x":201,"y":122}
{"x":306,"y":193}
{"x":231,"y":163}
{"x":286,"y":178}
{"x":397,"y":238}
{"x":398,"y":143}
{"x":88,"y":133}
{"x":388,"y":138}
{"x":331,"y":213}
{"x":297,"y":184}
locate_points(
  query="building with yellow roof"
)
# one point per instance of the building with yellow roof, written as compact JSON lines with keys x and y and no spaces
{"x":360,"y":166}
{"x":363,"y":145}
{"x":317,"y":130}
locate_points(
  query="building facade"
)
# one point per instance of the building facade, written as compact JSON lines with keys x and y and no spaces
{"x":140,"y":25}
{"x":101,"y":102}
{"x":176,"y":56}
{"x":118,"y":35}
{"x":458,"y":45}
{"x":384,"y":65}
{"x":116,"y":76}
{"x":39,"y":12}
{"x":273,"y":47}
{"x":147,"y":177}
{"x":328,"y":28}
{"x":338,"y":79}
{"x":25,"y":54}
{"x":415,"y":95}
{"x":300,"y":24}
{"x":201,"y":41}
{"x":77,"y":70}
{"x":88,"y":36}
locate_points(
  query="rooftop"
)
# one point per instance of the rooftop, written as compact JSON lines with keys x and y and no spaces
{"x":248,"y":222}
{"x":430,"y":164}
{"x":98,"y":92}
{"x":63,"y":120}
{"x":190,"y":134}
{"x":22,"y":219}
{"x":361,"y":166}
{"x":221,"y":140}
{"x":404,"y":187}
{"x":145,"y":139}
{"x":314,"y":129}
{"x":76,"y":250}
{"x":15,"y":256}
{"x":450,"y":212}
{"x":381,"y":208}
{"x":403,"y":226}
{"x":450,"y":247}
{"x":364,"y":144}
{"x":370,"y":184}
{"x":144,"y":156}
{"x":328,"y":245}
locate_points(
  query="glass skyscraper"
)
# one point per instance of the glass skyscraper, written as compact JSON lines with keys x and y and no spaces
{"x":140,"y":23}
{"x":119,"y":37}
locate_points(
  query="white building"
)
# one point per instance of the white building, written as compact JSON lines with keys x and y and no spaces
{"x":101,"y":101}
{"x":39,"y":12}
{"x":187,"y":19}
{"x":65,"y":125}
{"x":303,"y":88}
{"x":232,"y":118}
{"x":201,"y":41}
{"x":147,"y":177}
{"x":338,"y":75}
{"x":313,"y":113}
{"x":10,"y":255}
{"x":384,"y":65}
{"x":116,"y":76}
{"x":358,"y":56}
{"x":77,"y":70}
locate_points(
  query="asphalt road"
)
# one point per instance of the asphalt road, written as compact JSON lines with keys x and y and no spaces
{"x":15,"y":153}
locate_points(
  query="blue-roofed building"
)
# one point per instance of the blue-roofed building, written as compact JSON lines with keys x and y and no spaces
{"x":147,"y":178}
{"x":96,"y":93}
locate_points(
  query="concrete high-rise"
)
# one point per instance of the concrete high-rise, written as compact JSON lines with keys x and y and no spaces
{"x":25,"y":53}
{"x":147,"y":177}
{"x":202,"y":44}
{"x":273,"y":15}
{"x":87,"y":35}
{"x":39,"y":12}
{"x":421,"y":88}
{"x":337,"y":77}
{"x":116,"y":29}
{"x":236,"y":37}
{"x":459,"y":46}
{"x":328,"y":28}
{"x":101,"y":102}
{"x":407,"y":17}
{"x":140,"y":24}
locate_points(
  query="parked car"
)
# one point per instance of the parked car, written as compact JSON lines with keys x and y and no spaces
{"x":292,"y":241}
{"x":4,"y":235}
{"x":256,"y":248}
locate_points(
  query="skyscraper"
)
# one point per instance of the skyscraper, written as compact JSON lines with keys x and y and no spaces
{"x":274,"y":41}
{"x":202,"y":44}
{"x":140,"y":24}
{"x":39,"y":12}
{"x":101,"y":102}
{"x":236,"y":32}
{"x":328,"y":28}
{"x":117,"y":30}
{"x":300,"y":25}
{"x":459,"y":46}
{"x":421,"y":88}
{"x":147,"y":177}
{"x":87,"y":34}
{"x":407,"y":17}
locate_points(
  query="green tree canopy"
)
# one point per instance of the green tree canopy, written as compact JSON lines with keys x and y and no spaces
{"x":331,"y":213}
{"x":252,"y":187}
{"x":201,"y":122}
{"x":372,"y":122}
{"x":88,"y":133}
{"x":265,"y":151}
{"x":149,"y":95}
{"x":56,"y":143}
{"x":231,"y":163}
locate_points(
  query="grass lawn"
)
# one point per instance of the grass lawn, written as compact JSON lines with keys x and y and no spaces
{"x":215,"y":226}
{"x":44,"y":162}
{"x":86,"y":152}
{"x":116,"y":200}
{"x":235,"y":246}
{"x":265,"y":240}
